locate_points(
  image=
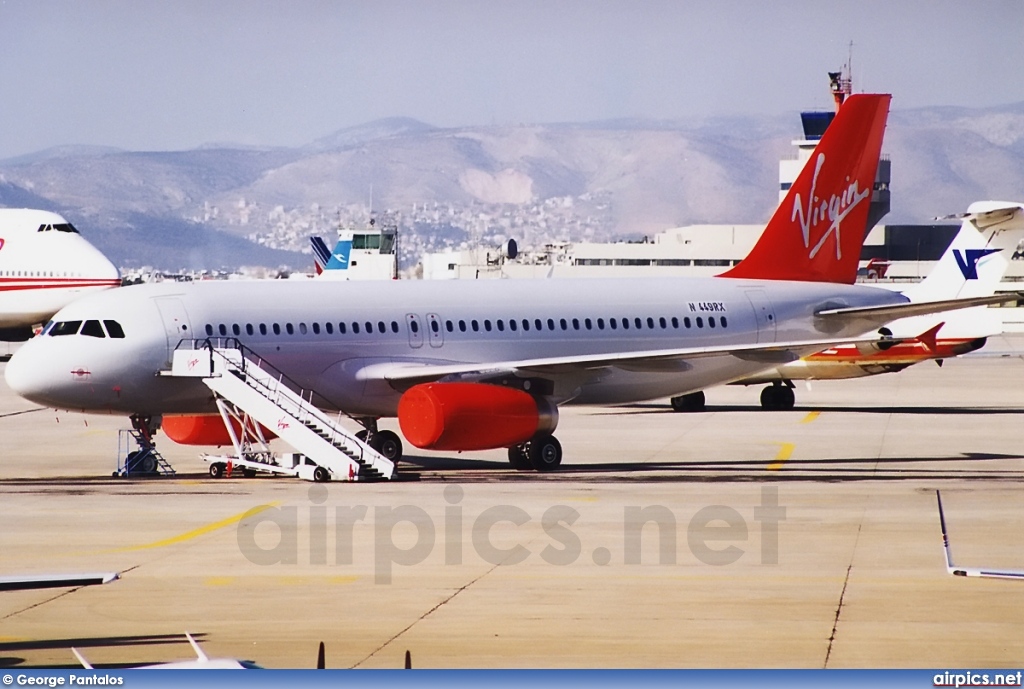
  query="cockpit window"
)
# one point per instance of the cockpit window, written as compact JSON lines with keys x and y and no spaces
{"x":59,"y":227}
{"x":46,"y":329}
{"x":65,"y":328}
{"x":93,"y":329}
{"x":114,"y":329}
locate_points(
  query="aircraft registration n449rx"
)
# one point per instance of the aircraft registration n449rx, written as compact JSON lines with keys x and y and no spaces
{"x":485,"y":365}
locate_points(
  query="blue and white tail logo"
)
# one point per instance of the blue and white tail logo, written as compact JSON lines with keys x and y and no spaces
{"x":340,"y":255}
{"x":967,"y":260}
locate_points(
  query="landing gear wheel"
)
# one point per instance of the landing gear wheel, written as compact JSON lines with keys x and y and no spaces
{"x":388,"y":444}
{"x":249,"y":473}
{"x":217,"y":469}
{"x":545,"y":453}
{"x":519,"y":458}
{"x":778,"y":398}
{"x":320,"y":475}
{"x":693,"y":401}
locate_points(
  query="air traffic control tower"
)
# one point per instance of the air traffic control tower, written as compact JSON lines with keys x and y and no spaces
{"x":814,"y":124}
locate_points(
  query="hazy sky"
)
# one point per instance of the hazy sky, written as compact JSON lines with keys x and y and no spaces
{"x":162,"y":75}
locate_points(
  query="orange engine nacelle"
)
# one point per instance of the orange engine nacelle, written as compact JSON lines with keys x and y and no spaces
{"x":472,"y":416}
{"x":204,"y":429}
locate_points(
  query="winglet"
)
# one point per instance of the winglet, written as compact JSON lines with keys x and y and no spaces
{"x":817,"y":232}
{"x":928,"y":337}
{"x":200,"y":656}
{"x":81,"y":659}
{"x":945,"y":537}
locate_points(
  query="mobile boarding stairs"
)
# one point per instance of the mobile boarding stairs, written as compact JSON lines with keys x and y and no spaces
{"x":251,"y":395}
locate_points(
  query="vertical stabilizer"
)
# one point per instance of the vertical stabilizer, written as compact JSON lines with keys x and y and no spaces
{"x":817,"y":232}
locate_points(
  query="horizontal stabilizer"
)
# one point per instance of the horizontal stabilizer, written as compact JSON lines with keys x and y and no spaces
{"x":894,"y":311}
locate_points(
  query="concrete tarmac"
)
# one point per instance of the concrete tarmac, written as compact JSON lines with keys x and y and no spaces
{"x":729,"y":538}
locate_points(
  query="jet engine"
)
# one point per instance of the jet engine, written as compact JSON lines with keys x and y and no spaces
{"x":203,"y":429}
{"x":472,"y":416}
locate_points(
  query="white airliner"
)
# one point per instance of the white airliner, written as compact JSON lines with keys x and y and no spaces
{"x":484,"y":365}
{"x":972,"y":266}
{"x":45,"y":264}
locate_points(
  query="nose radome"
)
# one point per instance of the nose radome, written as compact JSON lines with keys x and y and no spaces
{"x":23,"y":376}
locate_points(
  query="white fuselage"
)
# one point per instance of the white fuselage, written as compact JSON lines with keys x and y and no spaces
{"x":297,"y":327}
{"x":45,"y":265}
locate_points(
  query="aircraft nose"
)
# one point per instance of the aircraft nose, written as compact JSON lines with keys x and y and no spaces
{"x":26,"y":376}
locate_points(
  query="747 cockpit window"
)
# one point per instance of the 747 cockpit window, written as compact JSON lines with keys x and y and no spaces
{"x":59,"y":227}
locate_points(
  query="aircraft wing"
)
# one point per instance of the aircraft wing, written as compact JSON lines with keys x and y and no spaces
{"x":891,"y":312}
{"x":53,"y":581}
{"x":958,"y":571}
{"x":406,"y":374}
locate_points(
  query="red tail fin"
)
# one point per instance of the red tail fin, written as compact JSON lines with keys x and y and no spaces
{"x":817,"y":232}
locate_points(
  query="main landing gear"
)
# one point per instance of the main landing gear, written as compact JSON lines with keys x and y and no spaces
{"x":693,"y":401}
{"x":541,"y":453}
{"x":385,"y":442}
{"x":778,"y":397}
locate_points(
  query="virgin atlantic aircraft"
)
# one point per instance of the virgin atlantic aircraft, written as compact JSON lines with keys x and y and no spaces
{"x":485,"y":365}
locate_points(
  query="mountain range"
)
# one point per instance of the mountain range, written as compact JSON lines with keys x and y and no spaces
{"x":175,"y":210}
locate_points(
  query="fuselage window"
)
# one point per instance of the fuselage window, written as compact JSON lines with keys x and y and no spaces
{"x":277,"y":329}
{"x":586,"y":323}
{"x":625,"y":323}
{"x":433,"y":327}
{"x":355,"y":327}
{"x":501,"y":325}
{"x":394,"y":326}
{"x":551,"y":324}
{"x":209,"y":330}
{"x":413,"y":325}
{"x":650,"y":323}
{"x":115,"y":330}
{"x":369,"y":328}
{"x":462,"y":326}
{"x":222,"y":329}
{"x":93,"y":329}
{"x":640,"y":324}
{"x":600,"y":324}
{"x":235,"y":330}
{"x":675,"y":322}
{"x":563,"y":324}
{"x":449,"y":326}
{"x":329,"y":327}
{"x":341,"y":328}
{"x":263,"y":328}
{"x":248,"y":329}
{"x":512,"y":325}
{"x":700,"y":322}
{"x":302,"y":329}
{"x":538,"y":324}
{"x":725,"y":323}
{"x":487,"y":324}
{"x":686,"y":321}
{"x":289,"y":328}
{"x":575,"y":323}
{"x":526,"y":324}
{"x":66,"y":328}
{"x":316,"y":328}
{"x":612,"y":323}
{"x":476,"y":326}
{"x":711,"y":321}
